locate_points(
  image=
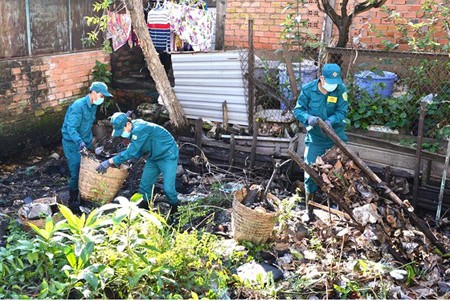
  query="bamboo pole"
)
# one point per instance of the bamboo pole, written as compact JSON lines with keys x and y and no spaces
{"x":444,"y":179}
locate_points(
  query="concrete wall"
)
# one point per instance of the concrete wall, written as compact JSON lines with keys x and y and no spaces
{"x":34,"y":94}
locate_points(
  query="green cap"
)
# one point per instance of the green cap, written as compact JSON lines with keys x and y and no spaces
{"x":118,"y":121}
{"x":332,"y":74}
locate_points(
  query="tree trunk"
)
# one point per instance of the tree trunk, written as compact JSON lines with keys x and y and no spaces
{"x":176,"y":113}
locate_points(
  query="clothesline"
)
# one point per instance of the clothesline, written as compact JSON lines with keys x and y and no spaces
{"x":168,"y":23}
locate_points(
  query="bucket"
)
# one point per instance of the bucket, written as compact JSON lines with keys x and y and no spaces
{"x":308,"y":73}
{"x":249,"y":224}
{"x":98,"y":187}
{"x":374,"y":83}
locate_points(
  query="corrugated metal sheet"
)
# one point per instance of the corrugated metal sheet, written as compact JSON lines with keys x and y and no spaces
{"x":203,"y":81}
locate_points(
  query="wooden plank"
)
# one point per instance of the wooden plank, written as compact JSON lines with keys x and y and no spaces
{"x":13,"y":29}
{"x":220,"y":24}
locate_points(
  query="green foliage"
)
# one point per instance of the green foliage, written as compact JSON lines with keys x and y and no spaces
{"x":117,"y":251}
{"x":101,"y":72}
{"x":425,"y":36}
{"x":100,"y":21}
{"x":295,"y":29}
{"x":366,"y":110}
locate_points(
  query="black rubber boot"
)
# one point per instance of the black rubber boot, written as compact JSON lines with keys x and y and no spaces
{"x":172,"y":220}
{"x":173,"y":210}
{"x":74,"y":201}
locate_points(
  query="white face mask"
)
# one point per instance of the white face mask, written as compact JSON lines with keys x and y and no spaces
{"x":329,"y":87}
{"x":99,"y":101}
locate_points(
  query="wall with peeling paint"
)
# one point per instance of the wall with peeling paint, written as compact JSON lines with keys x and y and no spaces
{"x":34,"y":93}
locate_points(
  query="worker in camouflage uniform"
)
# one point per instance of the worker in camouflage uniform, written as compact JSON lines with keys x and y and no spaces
{"x":324,"y":98}
{"x":77,"y":134}
{"x":158,"y":144}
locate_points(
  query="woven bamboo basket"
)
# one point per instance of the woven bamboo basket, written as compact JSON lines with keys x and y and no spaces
{"x":38,"y":222}
{"x":249,"y":224}
{"x":98,"y":187}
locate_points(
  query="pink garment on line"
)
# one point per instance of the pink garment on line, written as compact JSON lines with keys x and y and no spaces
{"x":118,"y":29}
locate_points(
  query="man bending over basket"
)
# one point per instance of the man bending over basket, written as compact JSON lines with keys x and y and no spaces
{"x":158,"y":144}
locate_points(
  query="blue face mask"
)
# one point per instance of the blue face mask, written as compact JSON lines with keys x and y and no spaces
{"x":125,"y":135}
{"x":99,"y":101}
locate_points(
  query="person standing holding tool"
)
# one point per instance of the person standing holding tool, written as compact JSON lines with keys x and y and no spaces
{"x":324,"y":98}
{"x":158,"y":144}
{"x":77,"y":134}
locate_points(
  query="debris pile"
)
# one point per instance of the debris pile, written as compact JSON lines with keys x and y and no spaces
{"x":256,"y":199}
{"x":387,"y":225}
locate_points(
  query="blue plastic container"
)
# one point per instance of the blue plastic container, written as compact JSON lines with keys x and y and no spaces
{"x":308,"y":73}
{"x":372,"y":83}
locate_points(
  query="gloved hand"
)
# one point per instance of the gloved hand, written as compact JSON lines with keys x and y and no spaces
{"x":312,"y":120}
{"x":328,"y":123}
{"x":98,"y":150}
{"x":129,"y":113}
{"x":103,"y":166}
{"x":82,"y":146}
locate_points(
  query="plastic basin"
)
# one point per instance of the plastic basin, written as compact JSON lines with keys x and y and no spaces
{"x":374,"y":83}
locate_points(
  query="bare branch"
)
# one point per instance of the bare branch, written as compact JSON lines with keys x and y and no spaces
{"x":365,"y":6}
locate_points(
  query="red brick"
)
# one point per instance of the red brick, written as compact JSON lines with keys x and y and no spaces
{"x":15,"y":71}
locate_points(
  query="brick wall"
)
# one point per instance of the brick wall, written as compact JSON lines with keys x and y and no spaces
{"x":268,"y":16}
{"x":34,"y":93}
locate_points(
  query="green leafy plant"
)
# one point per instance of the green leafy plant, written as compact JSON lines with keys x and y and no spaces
{"x":117,"y":251}
{"x":101,"y":72}
{"x":366,"y":110}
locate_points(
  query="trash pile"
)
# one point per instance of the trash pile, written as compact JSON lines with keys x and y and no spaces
{"x":383,"y":222}
{"x":256,"y":199}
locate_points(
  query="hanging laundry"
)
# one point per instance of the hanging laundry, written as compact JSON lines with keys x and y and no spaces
{"x":118,"y":29}
{"x":159,"y":28}
{"x":192,"y":24}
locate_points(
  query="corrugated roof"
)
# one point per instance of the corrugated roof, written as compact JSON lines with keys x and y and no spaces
{"x":203,"y":81}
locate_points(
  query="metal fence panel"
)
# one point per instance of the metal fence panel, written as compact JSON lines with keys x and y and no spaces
{"x":203,"y":81}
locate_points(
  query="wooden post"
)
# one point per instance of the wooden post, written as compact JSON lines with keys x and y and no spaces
{"x":418,"y":151}
{"x":232,"y":147}
{"x":198,"y":134}
{"x":419,"y":223}
{"x":290,"y":70}
{"x":225,"y":116}
{"x":254,"y":142}
{"x":251,"y":73}
{"x":220,"y":24}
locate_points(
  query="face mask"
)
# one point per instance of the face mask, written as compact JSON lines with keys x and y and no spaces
{"x":125,"y":135}
{"x":329,"y":87}
{"x":99,"y":101}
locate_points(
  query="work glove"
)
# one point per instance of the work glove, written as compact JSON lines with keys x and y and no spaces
{"x":103,"y":166}
{"x":129,"y":113}
{"x":312,"y":120}
{"x":99,"y":150}
{"x":328,"y":123}
{"x":82,"y":146}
